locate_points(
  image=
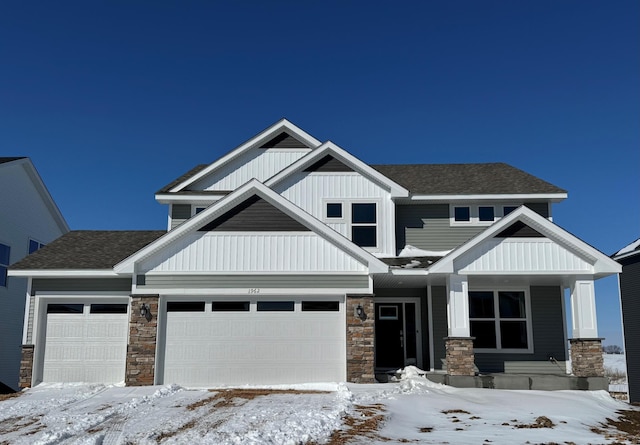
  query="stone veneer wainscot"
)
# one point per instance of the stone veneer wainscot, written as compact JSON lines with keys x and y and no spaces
{"x":141,"y":350}
{"x":360,"y":335}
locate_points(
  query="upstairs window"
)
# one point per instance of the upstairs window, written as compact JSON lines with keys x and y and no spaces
{"x":486,"y":213}
{"x":364,"y":230}
{"x":508,"y":209}
{"x":34,"y":245}
{"x":462,"y":214}
{"x":334,"y":210}
{"x":5,"y":253}
{"x":472,"y":214}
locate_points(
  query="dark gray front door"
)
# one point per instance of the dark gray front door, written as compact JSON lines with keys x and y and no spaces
{"x":395,"y":335}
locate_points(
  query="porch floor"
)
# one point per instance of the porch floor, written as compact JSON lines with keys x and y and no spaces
{"x":543,"y":382}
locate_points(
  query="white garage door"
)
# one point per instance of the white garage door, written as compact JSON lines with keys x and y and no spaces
{"x":254,"y":342}
{"x":85,"y":343}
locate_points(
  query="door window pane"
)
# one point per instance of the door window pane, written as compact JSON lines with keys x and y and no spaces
{"x":230,"y":306}
{"x":108,"y":308}
{"x":185,"y":306}
{"x":321,"y":306}
{"x":65,"y":308}
{"x":277,"y":306}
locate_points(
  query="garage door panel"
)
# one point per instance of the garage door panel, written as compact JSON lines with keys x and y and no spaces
{"x":85,"y":347}
{"x":258,"y":347}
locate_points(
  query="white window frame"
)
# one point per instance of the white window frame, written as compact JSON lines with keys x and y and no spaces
{"x":496,"y":319}
{"x":40,"y":245}
{"x":195,"y":207}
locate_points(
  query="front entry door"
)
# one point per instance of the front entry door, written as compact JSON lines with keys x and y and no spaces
{"x":396,"y":335}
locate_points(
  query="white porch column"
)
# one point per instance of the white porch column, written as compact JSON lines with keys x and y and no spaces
{"x":458,"y":306}
{"x":583,"y":309}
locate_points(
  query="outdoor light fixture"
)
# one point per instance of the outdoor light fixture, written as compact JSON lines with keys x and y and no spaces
{"x":145,"y":311}
{"x":360,"y":312}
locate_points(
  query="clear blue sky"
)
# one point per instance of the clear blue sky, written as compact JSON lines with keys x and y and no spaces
{"x":112,"y":100}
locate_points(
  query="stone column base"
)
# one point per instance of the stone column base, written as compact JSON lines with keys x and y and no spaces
{"x":360,"y":336}
{"x":141,"y":350}
{"x":459,"y":356}
{"x":26,"y":366}
{"x":586,"y":357}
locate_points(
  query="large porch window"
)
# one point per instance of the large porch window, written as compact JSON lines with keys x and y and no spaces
{"x":500,"y":321}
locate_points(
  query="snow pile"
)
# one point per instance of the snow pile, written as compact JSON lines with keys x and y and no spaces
{"x":411,"y":251}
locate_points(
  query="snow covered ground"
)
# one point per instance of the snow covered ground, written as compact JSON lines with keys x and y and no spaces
{"x":413,"y":409}
{"x":615,"y":367}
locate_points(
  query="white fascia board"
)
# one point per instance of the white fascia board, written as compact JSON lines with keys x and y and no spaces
{"x":602,"y":264}
{"x":165,"y":198}
{"x":554,"y":197}
{"x":396,"y":190}
{"x":244,"y":291}
{"x":626,"y":255}
{"x":261,"y":137}
{"x":253,"y":187}
{"x":60,"y":273}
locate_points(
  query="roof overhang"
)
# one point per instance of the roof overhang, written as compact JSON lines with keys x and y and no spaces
{"x":553,"y":197}
{"x":329,"y":148}
{"x":62,"y":273}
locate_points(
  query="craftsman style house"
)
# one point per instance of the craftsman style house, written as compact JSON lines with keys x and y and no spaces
{"x":290,"y":260}
{"x":29,"y":219}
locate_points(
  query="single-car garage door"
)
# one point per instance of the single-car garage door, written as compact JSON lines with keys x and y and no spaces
{"x":85,"y":343}
{"x":230,"y":342}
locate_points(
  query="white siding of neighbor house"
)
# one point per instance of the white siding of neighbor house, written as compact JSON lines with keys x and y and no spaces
{"x":25,"y":215}
{"x":528,"y":255}
{"x":219,"y":252}
{"x":311,"y":192}
{"x":258,"y":163}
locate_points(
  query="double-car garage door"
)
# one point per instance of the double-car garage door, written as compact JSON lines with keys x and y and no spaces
{"x":233,"y":342}
{"x":203,"y":341}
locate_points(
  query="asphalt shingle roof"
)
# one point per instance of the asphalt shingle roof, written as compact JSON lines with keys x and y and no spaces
{"x":195,"y":170}
{"x":465,"y":179}
{"x":88,"y":249}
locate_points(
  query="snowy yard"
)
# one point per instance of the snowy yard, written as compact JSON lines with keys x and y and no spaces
{"x":411,"y":411}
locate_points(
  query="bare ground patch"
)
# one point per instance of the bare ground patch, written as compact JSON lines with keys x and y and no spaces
{"x":9,"y":396}
{"x":625,"y":428}
{"x":541,"y":422}
{"x":364,"y":423}
{"x":223,"y":399}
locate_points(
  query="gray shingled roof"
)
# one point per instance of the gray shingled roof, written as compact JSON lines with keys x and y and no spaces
{"x":465,"y":179}
{"x":3,"y":160}
{"x":88,"y":249}
{"x":195,"y":170}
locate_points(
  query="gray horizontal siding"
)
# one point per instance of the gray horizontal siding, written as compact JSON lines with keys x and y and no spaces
{"x":427,"y":226}
{"x":630,"y":294}
{"x":179,"y":214}
{"x":548,"y":338}
{"x":440,"y":328}
{"x":81,"y":284}
{"x":255,"y":281}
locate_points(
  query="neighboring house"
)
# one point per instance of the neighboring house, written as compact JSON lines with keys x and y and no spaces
{"x":629,"y":257}
{"x":290,"y":260}
{"x":29,"y":219}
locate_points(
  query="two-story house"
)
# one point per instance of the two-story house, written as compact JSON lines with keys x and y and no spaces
{"x":290,"y":260}
{"x":29,"y":219}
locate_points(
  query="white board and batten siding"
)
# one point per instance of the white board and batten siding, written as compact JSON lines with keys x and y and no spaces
{"x":223,"y":252}
{"x":233,"y":348}
{"x":312,"y":191}
{"x":521,"y":255}
{"x":257,"y":163}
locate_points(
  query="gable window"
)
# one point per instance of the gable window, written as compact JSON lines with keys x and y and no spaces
{"x":34,"y":245}
{"x":508,"y":209}
{"x":334,"y":210}
{"x":500,"y":321}
{"x":364,"y":230}
{"x":473,"y":214}
{"x":5,"y":253}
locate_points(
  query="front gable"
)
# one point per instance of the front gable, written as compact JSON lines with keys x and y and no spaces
{"x":253,"y":230}
{"x":525,"y":243}
{"x":260,"y":157}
